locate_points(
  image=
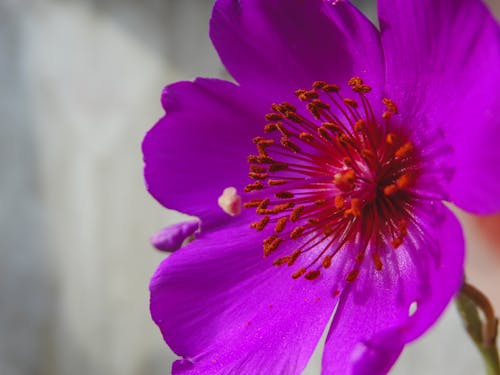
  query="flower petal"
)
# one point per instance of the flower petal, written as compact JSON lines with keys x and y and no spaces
{"x":445,"y":280}
{"x":443,"y":67}
{"x":200,"y":146}
{"x":373,"y":320}
{"x":172,"y":237}
{"x":278,"y":46}
{"x":227,"y":310}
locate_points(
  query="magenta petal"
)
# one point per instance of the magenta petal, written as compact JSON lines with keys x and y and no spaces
{"x":171,"y":238}
{"x":200,"y":147}
{"x":225,"y":309}
{"x":444,"y":280}
{"x":377,"y":356}
{"x":443,"y":67}
{"x":278,"y":46}
{"x":373,"y":320}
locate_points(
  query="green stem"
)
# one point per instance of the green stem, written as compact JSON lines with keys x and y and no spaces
{"x":482,"y":331}
{"x":491,"y":361}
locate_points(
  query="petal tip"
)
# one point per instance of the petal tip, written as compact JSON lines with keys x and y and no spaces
{"x":171,"y":238}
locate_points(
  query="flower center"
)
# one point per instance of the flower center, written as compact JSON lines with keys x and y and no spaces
{"x":332,"y":175}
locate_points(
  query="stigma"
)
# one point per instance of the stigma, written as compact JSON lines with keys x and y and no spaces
{"x":230,"y":201}
{"x":331,"y":174}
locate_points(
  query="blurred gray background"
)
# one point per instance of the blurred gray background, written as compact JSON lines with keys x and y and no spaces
{"x":80,"y":85}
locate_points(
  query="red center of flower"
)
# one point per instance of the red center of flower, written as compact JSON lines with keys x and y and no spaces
{"x":332,"y":175}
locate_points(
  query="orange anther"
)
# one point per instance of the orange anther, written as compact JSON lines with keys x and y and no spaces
{"x":395,"y":243}
{"x":258,"y":176}
{"x":260,"y":225}
{"x":268,"y":128}
{"x":313,"y":221}
{"x":283,"y":108}
{"x":360,"y":257}
{"x":254,"y":186}
{"x":327,"y":261}
{"x":264,"y":159}
{"x":269,"y":239}
{"x":339,"y":202}
{"x":351,"y":276}
{"x":306,"y":95}
{"x":390,"y":105}
{"x":284,"y":195}
{"x":314,"y":110}
{"x":404,"y":182}
{"x":253,"y":159}
{"x":387,"y":115}
{"x":295,"y":215}
{"x":299,"y":273}
{"x":276,"y":167}
{"x":297,"y":232}
{"x":265,"y":142}
{"x":287,"y":107}
{"x":299,"y":92}
{"x":403,"y":227}
{"x":360,"y":125}
{"x":367,"y":154}
{"x":328,"y":230}
{"x":272,"y":246}
{"x":331,"y":88}
{"x":294,"y":257}
{"x":280,"y":225}
{"x":256,"y":140}
{"x":377,"y":261}
{"x":351,"y":102}
{"x":404,"y":150}
{"x":324,"y":134}
{"x":391,"y":138}
{"x":281,"y":261}
{"x":345,"y":180}
{"x":312,"y":275}
{"x":264,"y":204}
{"x":319,"y":104}
{"x":331,"y":126}
{"x":276,"y":182}
{"x":348,"y":162}
{"x":287,"y":143}
{"x":282,"y":207}
{"x":390,"y":189}
{"x":257,"y":169}
{"x":317,"y":85}
{"x":362,"y":89}
{"x":292,"y":116}
{"x":284,"y":131}
{"x":355,"y":209}
{"x":274,"y":117}
{"x":358,"y":86}
{"x":252,"y":204}
{"x":306,"y":137}
{"x":355,"y":81}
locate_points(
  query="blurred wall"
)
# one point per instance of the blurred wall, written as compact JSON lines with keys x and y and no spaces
{"x":80,"y":83}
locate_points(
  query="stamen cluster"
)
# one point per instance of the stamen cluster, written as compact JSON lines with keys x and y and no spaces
{"x":331,"y":176}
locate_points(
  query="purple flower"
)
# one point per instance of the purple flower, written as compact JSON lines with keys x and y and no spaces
{"x":353,"y":137}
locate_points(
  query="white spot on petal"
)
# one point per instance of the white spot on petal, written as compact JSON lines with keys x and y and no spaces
{"x":413,"y":308}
